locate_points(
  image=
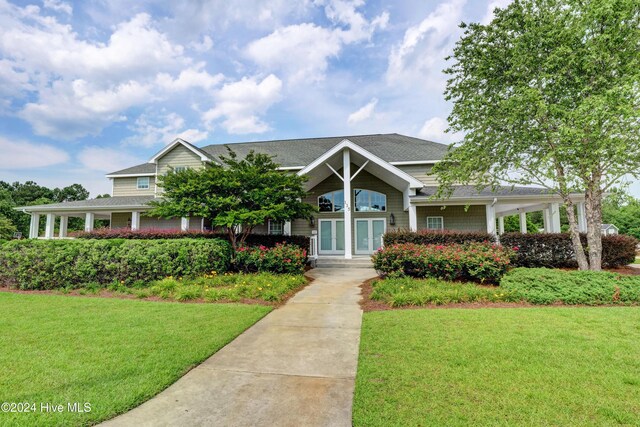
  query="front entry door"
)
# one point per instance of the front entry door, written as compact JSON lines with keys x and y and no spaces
{"x":369,"y":234}
{"x":331,"y":236}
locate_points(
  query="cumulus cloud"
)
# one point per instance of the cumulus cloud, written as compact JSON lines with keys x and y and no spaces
{"x":493,"y":4}
{"x":58,"y":6}
{"x":28,"y":155}
{"x":150,"y":130}
{"x":240,"y":104}
{"x":302,"y":51}
{"x":106,"y":159}
{"x":434,"y":129}
{"x":192,"y":77}
{"x":363,"y":113}
{"x":420,"y":55}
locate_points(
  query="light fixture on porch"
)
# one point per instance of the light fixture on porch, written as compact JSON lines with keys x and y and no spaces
{"x":392,"y":219}
{"x":312,"y":221}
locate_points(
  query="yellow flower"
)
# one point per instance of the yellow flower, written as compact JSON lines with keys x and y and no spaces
{"x":259,"y":289}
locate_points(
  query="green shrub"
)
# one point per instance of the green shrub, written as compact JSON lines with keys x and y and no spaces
{"x":51,"y":264}
{"x":282,"y":258}
{"x":547,"y":286}
{"x":416,"y":292}
{"x":436,"y":237}
{"x":555,"y":250}
{"x":473,"y":261}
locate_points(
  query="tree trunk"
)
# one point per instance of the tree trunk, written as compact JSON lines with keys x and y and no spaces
{"x":232,"y":239}
{"x":583,"y":264}
{"x":593,"y":209}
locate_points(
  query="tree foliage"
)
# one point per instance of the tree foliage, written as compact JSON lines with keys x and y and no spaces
{"x":548,"y":93}
{"x":236,"y":196}
{"x":623,"y":211}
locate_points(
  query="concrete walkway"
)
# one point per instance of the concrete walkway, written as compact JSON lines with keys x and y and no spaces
{"x":295,"y":367}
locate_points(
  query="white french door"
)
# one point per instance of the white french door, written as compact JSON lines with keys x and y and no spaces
{"x":331,"y":236}
{"x":368,"y":234}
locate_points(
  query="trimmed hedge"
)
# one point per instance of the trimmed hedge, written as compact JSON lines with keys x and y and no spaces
{"x":268,"y":240}
{"x":549,"y":286}
{"x":282,"y":259}
{"x":436,"y":237}
{"x":50,"y":264}
{"x":472,"y":261}
{"x":555,"y":250}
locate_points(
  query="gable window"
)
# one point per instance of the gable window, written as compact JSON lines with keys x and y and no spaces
{"x":143,"y":183}
{"x":435,"y":223}
{"x":332,"y":201}
{"x":180,"y":168}
{"x":276,"y":227}
{"x":370,"y":201}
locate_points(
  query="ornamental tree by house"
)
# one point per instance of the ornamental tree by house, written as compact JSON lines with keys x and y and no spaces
{"x":548,"y":93}
{"x":236,"y":196}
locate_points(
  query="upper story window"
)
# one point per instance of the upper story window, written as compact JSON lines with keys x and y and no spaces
{"x":370,"y":201}
{"x":143,"y":183}
{"x":332,"y":201}
{"x":276,"y":227}
{"x":180,"y":168}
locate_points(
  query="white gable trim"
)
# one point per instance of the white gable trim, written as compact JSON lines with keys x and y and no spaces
{"x":413,"y":182}
{"x":174,"y":143}
{"x":129,"y":175}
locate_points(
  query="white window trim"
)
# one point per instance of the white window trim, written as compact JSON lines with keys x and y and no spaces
{"x":355,"y":206}
{"x":441,"y":222}
{"x":148,"y":186}
{"x":180,"y":168}
{"x":281,"y":223}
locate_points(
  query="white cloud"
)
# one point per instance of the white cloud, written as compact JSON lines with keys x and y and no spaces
{"x":28,"y":155}
{"x":192,"y":77}
{"x":363,"y":113}
{"x":239,"y":104}
{"x":419,"y":58}
{"x":106,"y":159}
{"x":151,"y":130}
{"x":58,"y":6}
{"x":434,"y":129}
{"x":493,"y":4}
{"x":302,"y":51}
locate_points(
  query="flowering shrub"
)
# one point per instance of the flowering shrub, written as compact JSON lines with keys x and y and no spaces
{"x":473,"y":261}
{"x":51,"y":264}
{"x":282,"y":258}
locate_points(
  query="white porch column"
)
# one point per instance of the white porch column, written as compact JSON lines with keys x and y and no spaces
{"x":555,"y":217}
{"x":64,"y":224}
{"x":491,"y":219}
{"x":500,"y":225}
{"x":184,"y":223}
{"x":88,"y":221}
{"x":346,"y":170}
{"x":287,"y":228}
{"x":582,"y":218}
{"x":413,"y":218}
{"x":48,"y":230}
{"x":523,"y":222}
{"x":34,"y":227}
{"x":135,"y":220}
{"x":546,"y":220}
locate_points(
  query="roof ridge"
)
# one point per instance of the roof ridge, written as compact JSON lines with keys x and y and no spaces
{"x":308,"y":138}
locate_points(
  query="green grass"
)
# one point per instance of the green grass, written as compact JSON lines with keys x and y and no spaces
{"x":637,"y":261}
{"x":266,"y":287}
{"x":416,"y":292}
{"x":112,"y":353}
{"x":525,"y":366}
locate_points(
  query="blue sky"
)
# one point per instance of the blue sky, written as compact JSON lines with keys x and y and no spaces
{"x":90,"y":87}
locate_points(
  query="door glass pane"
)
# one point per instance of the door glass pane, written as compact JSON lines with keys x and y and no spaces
{"x":378,"y":231}
{"x":362,"y":236}
{"x":325,"y":235}
{"x":340,"y":235}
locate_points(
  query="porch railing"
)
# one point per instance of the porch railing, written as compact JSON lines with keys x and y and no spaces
{"x":313,"y":247}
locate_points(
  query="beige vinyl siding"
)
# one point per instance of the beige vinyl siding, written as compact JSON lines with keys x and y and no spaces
{"x":179,"y":156}
{"x":420,"y":172}
{"x":365,"y":181}
{"x":455,"y":217}
{"x":129,"y":187}
{"x":120,"y":220}
{"x":161,"y":223}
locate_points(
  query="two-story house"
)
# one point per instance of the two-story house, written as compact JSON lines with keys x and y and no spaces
{"x":362,"y":185}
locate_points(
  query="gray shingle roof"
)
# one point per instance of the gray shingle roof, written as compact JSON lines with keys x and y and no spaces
{"x":300,"y":152}
{"x":149,"y":168}
{"x":107,"y":202}
{"x":469,"y":191}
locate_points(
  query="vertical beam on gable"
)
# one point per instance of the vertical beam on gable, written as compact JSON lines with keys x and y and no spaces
{"x":346,"y":170}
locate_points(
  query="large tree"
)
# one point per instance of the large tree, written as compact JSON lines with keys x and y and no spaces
{"x":236,"y":196}
{"x":548,"y":93}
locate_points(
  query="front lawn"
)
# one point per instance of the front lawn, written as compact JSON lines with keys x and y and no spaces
{"x":111,"y":353}
{"x":533,"y":366}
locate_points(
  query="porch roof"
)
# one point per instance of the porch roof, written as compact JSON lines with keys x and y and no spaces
{"x":103,"y":204}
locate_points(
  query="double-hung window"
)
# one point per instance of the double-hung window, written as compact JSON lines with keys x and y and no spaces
{"x":143,"y":183}
{"x":435,"y":223}
{"x":276,"y":227}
